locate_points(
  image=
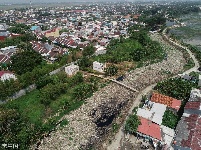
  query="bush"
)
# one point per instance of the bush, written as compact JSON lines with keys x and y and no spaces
{"x":132,"y":123}
{"x":169,"y":119}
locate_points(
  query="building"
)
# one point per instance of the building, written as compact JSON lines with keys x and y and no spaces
{"x":98,"y":66}
{"x":149,"y":130}
{"x":36,"y":29}
{"x":199,"y":82}
{"x":8,"y":49}
{"x":172,"y":103}
{"x":52,"y":33}
{"x":7,"y":75}
{"x":188,"y":130}
{"x":72,"y":69}
{"x":195,"y":95}
{"x":154,"y":113}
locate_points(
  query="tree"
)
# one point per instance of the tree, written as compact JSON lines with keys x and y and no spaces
{"x":25,"y":61}
{"x":111,"y":70}
{"x":169,"y":119}
{"x":89,"y":50}
{"x":84,"y":63}
{"x":83,"y":91}
{"x":132,"y":123}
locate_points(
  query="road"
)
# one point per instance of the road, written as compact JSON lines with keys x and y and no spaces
{"x":117,"y":142}
{"x":196,"y":66}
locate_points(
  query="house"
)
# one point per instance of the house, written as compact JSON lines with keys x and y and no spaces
{"x":154,"y":113}
{"x":54,"y":32}
{"x":8,"y":49}
{"x":4,"y":58}
{"x":167,"y":135}
{"x":185,"y":76}
{"x":172,"y":103}
{"x":149,"y":130}
{"x":100,"y":50}
{"x":7,"y":75}
{"x":195,"y":95}
{"x":98,"y":66}
{"x":36,"y":29}
{"x":188,"y":130}
{"x":72,"y":69}
{"x":199,"y":82}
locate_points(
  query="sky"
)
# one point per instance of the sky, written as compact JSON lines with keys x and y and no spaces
{"x":46,"y":1}
{"x":37,"y":1}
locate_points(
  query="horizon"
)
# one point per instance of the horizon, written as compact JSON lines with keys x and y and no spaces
{"x":6,"y":2}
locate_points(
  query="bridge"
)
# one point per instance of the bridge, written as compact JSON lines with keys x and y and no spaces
{"x":114,"y":81}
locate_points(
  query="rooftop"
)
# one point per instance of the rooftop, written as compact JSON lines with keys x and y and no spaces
{"x":166,"y":100}
{"x":149,"y":128}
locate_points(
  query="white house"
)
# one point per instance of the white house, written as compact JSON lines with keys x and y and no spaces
{"x":98,"y":66}
{"x":72,"y":69}
{"x":7,"y":75}
{"x":199,"y":82}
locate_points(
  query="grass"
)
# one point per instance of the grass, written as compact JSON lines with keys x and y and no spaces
{"x":190,"y":64}
{"x":170,"y":119}
{"x":29,"y":106}
{"x":64,"y":123}
{"x":115,"y":127}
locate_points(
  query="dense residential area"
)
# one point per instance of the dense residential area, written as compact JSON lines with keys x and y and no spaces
{"x":100,"y":76}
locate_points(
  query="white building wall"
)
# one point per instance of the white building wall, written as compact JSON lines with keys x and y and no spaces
{"x":199,"y":82}
{"x":72,"y":69}
{"x":8,"y":76}
{"x":98,"y":66}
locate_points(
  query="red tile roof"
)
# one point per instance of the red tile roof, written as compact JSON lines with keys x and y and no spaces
{"x":147,"y":127}
{"x":194,"y":137}
{"x":166,"y":100}
{"x":2,"y":38}
{"x":176,"y":104}
{"x":193,"y":105}
{"x":3,"y":72}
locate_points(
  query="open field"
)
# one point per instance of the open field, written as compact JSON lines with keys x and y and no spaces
{"x":191,"y":33}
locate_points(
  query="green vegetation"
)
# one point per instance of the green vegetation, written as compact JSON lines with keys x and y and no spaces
{"x":19,"y":28}
{"x":132,"y":123}
{"x":111,"y":70}
{"x":20,"y":41}
{"x":115,"y":127}
{"x":195,"y":51}
{"x":64,"y":123}
{"x":88,"y":51}
{"x":63,"y":30}
{"x":190,"y":64}
{"x":170,"y":119}
{"x":177,"y":88}
{"x":138,"y":48}
{"x":24,"y":120}
{"x":25,"y":61}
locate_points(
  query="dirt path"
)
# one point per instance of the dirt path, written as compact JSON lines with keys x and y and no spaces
{"x":118,"y":142}
{"x":82,"y":129}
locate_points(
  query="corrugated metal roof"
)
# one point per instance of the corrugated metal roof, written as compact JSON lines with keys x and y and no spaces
{"x":149,"y":128}
{"x":144,"y":113}
{"x":159,"y":108}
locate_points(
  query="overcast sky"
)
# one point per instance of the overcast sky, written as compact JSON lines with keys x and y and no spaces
{"x":37,"y":1}
{"x":46,"y":1}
